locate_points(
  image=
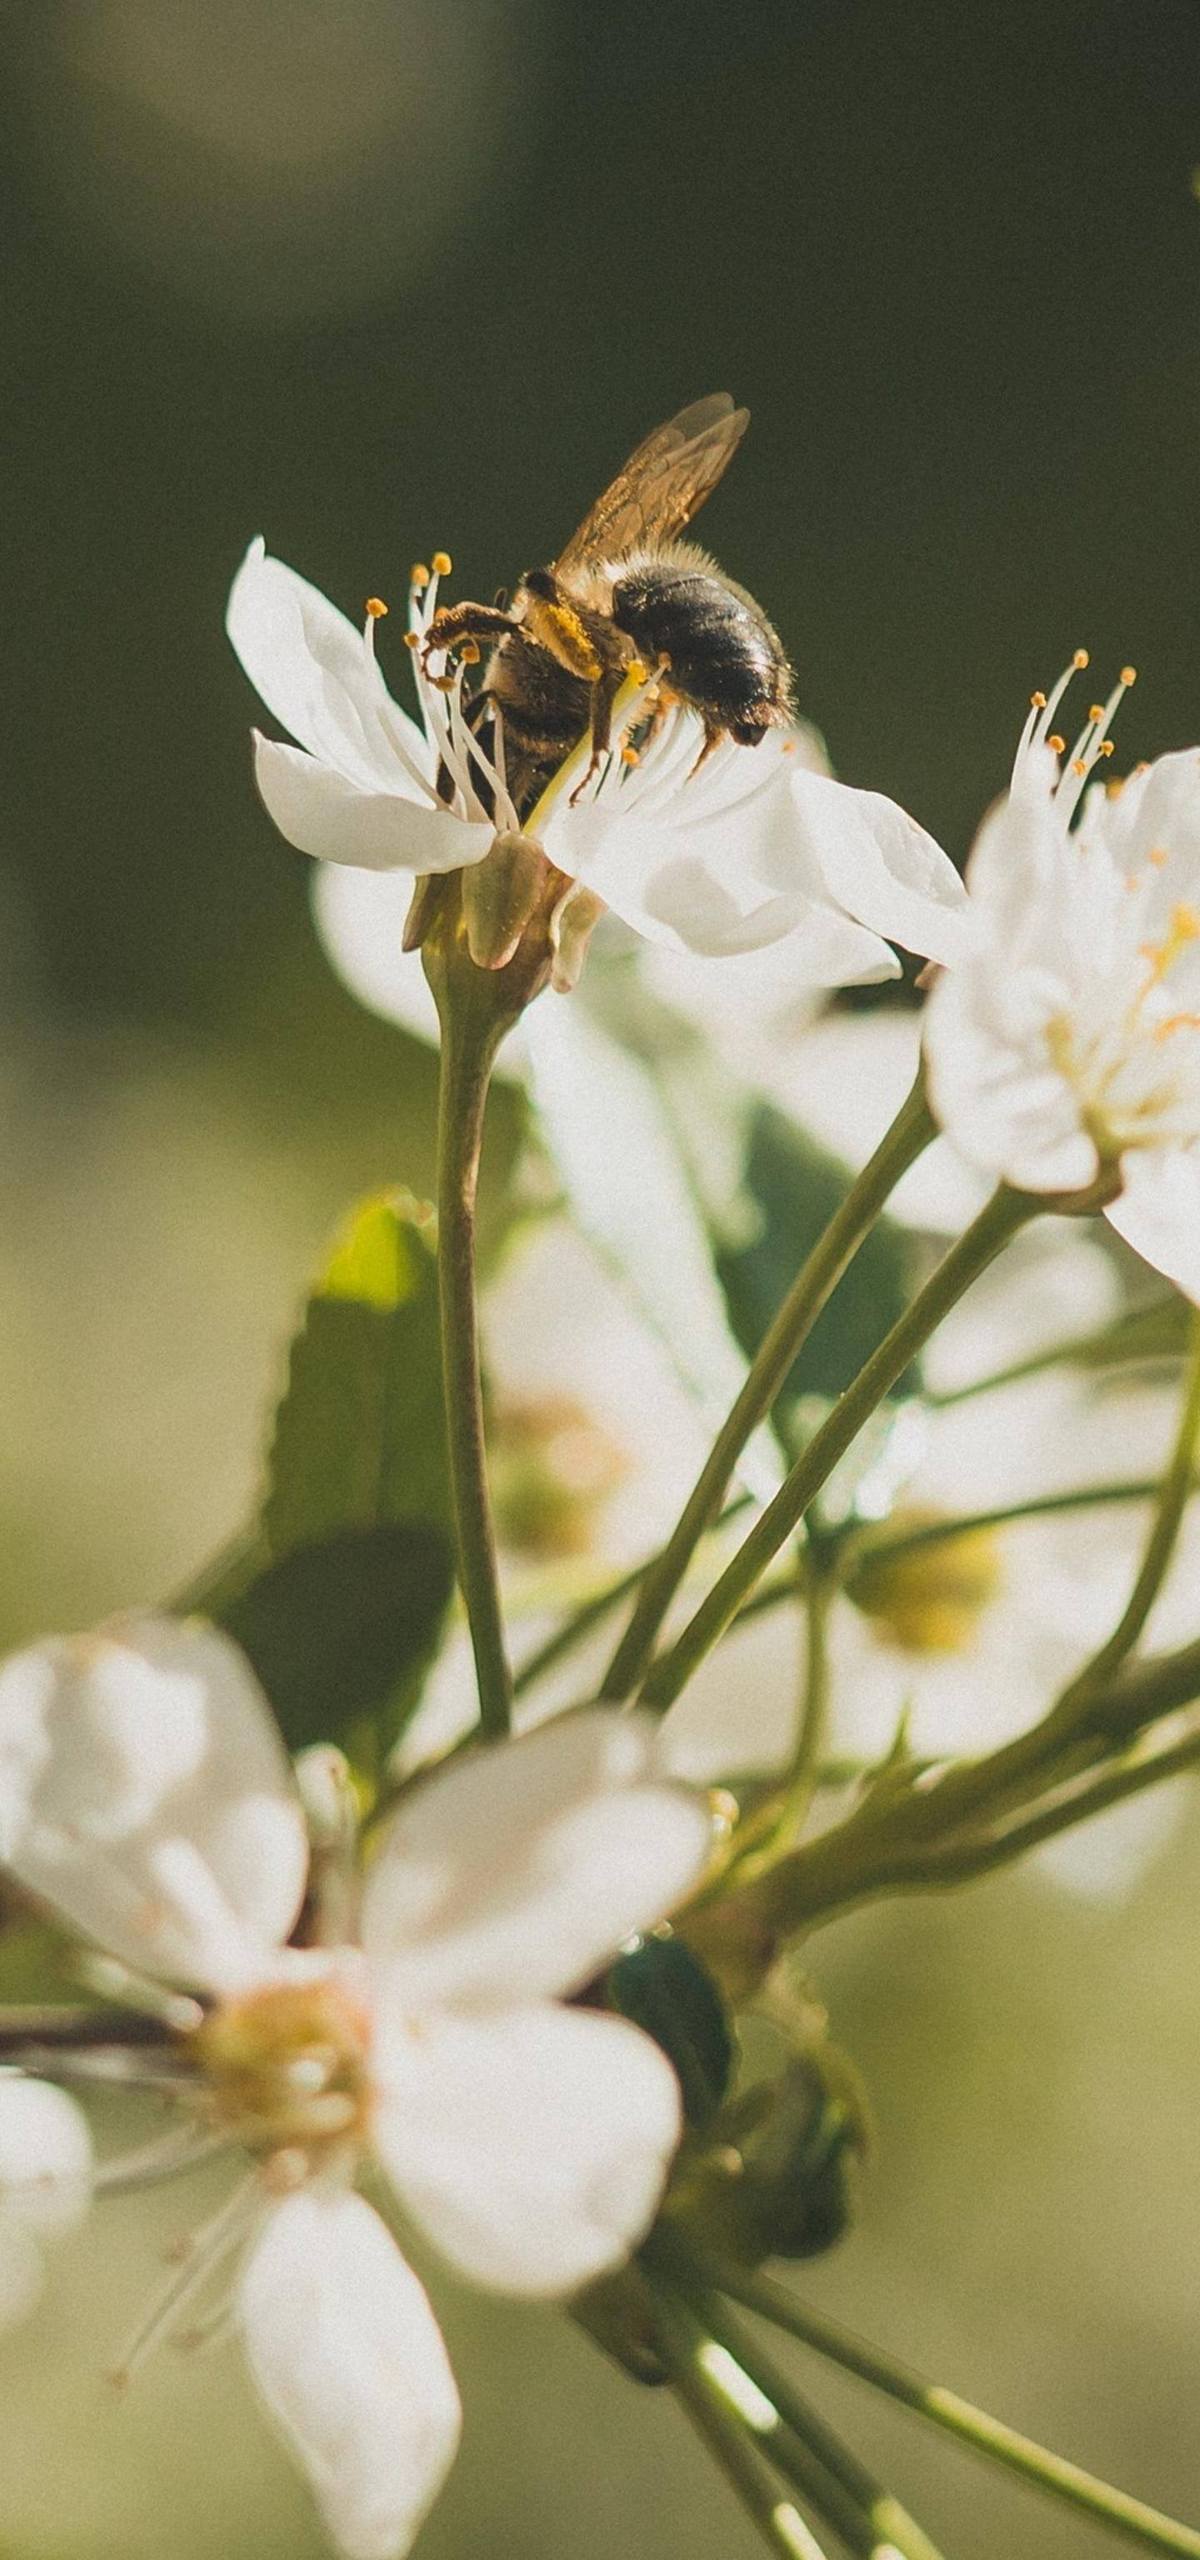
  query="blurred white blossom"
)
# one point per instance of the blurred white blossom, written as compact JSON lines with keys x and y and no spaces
{"x":45,"y":2184}
{"x":145,"y":1795}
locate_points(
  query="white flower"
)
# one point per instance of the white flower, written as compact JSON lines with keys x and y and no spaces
{"x":144,"y":1792}
{"x":1067,"y":1043}
{"x":45,"y":2184}
{"x":719,"y":856}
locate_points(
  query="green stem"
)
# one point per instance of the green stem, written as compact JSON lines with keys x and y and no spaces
{"x":1006,"y":1211}
{"x":1150,"y":1332}
{"x":910,"y":1132}
{"x":867,"y":2516}
{"x":591,"y":1611}
{"x":887,"y":1545}
{"x":1174,"y":1495}
{"x":959,"y":2417}
{"x":470,"y":1039}
{"x":718,"y":2416}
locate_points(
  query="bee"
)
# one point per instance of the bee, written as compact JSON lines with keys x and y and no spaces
{"x":626,"y":592}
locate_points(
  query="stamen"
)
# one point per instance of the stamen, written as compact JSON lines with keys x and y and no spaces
{"x":376,"y":608}
{"x":1057,"y":744}
{"x":171,"y":2155}
{"x":206,"y":2249}
{"x":1042,"y":708}
{"x":418,"y":577}
{"x":442,"y":564}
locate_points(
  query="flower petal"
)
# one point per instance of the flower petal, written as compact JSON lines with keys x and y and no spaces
{"x":517,"y":1872}
{"x":1158,"y":1213}
{"x":532,"y":2146}
{"x":45,"y":2157}
{"x":881,"y":866}
{"x":350,"y":2362}
{"x":145,"y":1793}
{"x":323,"y":813}
{"x":314,"y":673}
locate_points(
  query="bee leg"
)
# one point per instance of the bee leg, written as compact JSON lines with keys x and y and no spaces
{"x":463,"y":626}
{"x":604,"y":695}
{"x":714,"y":731}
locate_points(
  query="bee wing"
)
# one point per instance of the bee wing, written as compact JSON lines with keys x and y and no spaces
{"x":663,"y":485}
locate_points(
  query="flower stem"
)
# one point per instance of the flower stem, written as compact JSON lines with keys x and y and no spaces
{"x":910,"y":1132}
{"x":1006,"y":1211}
{"x":1174,"y":1495}
{"x":959,"y":2417}
{"x":471,"y":1035}
{"x":718,"y":2413}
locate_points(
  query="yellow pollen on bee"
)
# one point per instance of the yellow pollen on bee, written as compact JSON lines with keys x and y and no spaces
{"x":442,"y":564}
{"x":376,"y":608}
{"x":636,"y":670}
{"x":418,"y":575}
{"x":1081,"y":658}
{"x":1057,"y":744}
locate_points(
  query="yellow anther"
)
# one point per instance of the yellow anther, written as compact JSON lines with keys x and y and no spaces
{"x":1082,"y":658}
{"x":1128,"y":675}
{"x":418,"y":575}
{"x":442,"y":564}
{"x":1057,"y":744}
{"x":1037,"y":701}
{"x":788,"y":748}
{"x":376,"y":608}
{"x":629,"y":755}
{"x":1105,"y":747}
{"x":412,"y":639}
{"x":469,"y":653}
{"x":1158,"y":858}
{"x":1095,"y":711}
{"x":1078,"y":765}
{"x":1176,"y":1022}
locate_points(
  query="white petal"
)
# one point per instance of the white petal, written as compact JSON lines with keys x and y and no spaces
{"x":1158,"y":1213}
{"x":517,"y":1872}
{"x":532,"y":2146}
{"x":350,"y":2362}
{"x":882,"y":867}
{"x":145,"y":1792}
{"x":360,"y":918}
{"x":312,"y":669}
{"x":323,"y":813}
{"x":45,"y":2156}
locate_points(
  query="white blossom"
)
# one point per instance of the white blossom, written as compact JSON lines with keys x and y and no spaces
{"x":720,"y":854}
{"x":1066,"y":1043}
{"x":45,"y":2184}
{"x":145,"y":1794}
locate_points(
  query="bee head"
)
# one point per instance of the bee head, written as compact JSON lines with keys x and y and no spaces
{"x":541,"y":583}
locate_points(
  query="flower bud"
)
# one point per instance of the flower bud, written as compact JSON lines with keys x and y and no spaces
{"x":499,"y":896}
{"x":775,"y":2175}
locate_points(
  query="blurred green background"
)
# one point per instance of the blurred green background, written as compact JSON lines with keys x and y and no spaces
{"x":370,"y":276}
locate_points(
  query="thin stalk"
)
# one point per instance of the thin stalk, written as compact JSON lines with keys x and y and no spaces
{"x":591,"y":1611}
{"x":469,"y":1044}
{"x":1174,"y":1495}
{"x":719,"y":2417}
{"x":1150,"y":1332}
{"x":1005,"y":1213}
{"x":886,"y":1545}
{"x":910,"y":1132}
{"x":958,"y":2417}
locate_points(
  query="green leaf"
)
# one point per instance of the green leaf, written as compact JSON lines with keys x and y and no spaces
{"x":339,"y":1630}
{"x":360,"y":1434}
{"x":664,"y":1988}
{"x":791,"y":1188}
{"x":340,"y":1593}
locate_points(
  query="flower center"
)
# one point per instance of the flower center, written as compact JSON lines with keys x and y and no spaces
{"x":930,"y":1597}
{"x":286,"y":2067}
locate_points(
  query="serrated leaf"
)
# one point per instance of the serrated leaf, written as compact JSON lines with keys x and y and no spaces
{"x":360,"y":1435}
{"x":338,"y":1630}
{"x":664,"y":1988}
{"x":793,"y":1186}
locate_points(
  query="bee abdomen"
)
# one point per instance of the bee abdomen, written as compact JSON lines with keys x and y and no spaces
{"x":724,"y":656}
